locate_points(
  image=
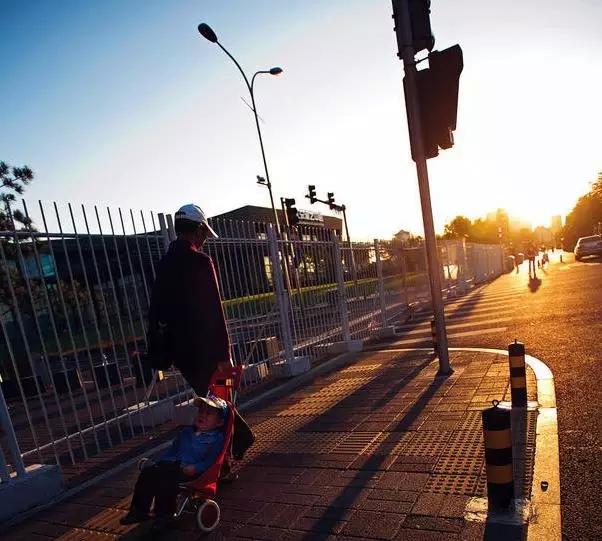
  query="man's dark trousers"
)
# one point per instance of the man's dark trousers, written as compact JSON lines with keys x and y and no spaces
{"x":197,"y":379}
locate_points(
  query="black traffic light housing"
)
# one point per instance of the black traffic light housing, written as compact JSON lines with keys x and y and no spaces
{"x":291,"y":212}
{"x":437,"y":89}
{"x":330,"y":196}
{"x":311,"y":193}
{"x":420,"y":22}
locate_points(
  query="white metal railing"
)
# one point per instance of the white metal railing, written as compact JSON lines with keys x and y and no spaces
{"x":74,"y":294}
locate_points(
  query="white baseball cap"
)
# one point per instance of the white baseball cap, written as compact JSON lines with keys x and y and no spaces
{"x":194,"y":213}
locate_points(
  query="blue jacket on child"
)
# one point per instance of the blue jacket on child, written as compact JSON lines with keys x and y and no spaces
{"x":197,"y":449}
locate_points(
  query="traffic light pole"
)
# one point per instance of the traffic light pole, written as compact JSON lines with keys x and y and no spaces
{"x":353,"y":270}
{"x":413,"y":109}
{"x":338,"y":208}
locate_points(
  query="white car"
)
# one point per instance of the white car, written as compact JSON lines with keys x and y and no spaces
{"x":588,"y":246}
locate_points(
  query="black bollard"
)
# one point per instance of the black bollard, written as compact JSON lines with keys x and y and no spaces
{"x":497,"y":436}
{"x":518,"y":374}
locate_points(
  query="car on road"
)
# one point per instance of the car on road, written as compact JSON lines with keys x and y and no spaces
{"x":586,"y":246}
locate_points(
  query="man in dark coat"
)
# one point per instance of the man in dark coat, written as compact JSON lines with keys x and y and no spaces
{"x":187,"y":327}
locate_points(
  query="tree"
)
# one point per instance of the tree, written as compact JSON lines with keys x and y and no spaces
{"x":583,"y":220}
{"x":458,"y":228}
{"x":12,"y":183}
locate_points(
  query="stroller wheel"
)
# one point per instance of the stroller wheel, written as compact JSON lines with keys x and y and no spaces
{"x":207,"y":516}
{"x":143,"y":463}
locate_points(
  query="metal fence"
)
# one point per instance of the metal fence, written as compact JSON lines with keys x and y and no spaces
{"x":75,"y":291}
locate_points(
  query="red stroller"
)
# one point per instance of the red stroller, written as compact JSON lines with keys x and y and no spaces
{"x":197,"y":495}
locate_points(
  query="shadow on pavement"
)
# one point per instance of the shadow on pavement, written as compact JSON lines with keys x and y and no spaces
{"x":534,"y":283}
{"x":339,"y":508}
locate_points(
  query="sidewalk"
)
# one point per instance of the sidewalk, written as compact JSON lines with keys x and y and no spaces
{"x":379,"y":449}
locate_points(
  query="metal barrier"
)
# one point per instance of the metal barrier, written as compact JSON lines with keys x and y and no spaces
{"x":74,"y":294}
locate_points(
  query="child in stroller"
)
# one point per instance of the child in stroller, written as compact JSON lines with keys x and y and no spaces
{"x":195,"y":450}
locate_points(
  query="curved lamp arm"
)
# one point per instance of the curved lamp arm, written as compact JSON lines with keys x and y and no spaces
{"x":238,"y":66}
{"x":255,"y":75}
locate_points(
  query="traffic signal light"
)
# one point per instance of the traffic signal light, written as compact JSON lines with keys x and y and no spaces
{"x":311,"y":194}
{"x":437,"y":89}
{"x":420,"y":23}
{"x":291,"y":212}
{"x":330,"y":199}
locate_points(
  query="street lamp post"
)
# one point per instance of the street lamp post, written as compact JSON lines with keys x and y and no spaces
{"x":207,"y":32}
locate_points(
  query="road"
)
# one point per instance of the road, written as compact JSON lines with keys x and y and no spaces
{"x":559,"y":319}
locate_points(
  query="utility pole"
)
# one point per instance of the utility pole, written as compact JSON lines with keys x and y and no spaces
{"x":404,"y":22}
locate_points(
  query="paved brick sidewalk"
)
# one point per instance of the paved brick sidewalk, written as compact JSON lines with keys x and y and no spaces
{"x":381,"y":449}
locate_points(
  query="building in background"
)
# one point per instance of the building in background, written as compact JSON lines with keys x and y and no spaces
{"x":249,"y":269}
{"x":543,"y":235}
{"x":308,"y":219}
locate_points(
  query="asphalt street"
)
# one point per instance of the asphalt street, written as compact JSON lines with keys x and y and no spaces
{"x":558,"y":317}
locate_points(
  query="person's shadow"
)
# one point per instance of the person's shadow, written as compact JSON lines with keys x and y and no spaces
{"x":534,"y":283}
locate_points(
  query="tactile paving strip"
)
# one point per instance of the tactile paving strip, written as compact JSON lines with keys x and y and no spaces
{"x":427,"y":443}
{"x":325,"y":398}
{"x":466,"y":437}
{"x":459,"y":464}
{"x":452,"y":484}
{"x":309,"y":442}
{"x":383,"y":445}
{"x":278,"y":428}
{"x":471,"y":421}
{"x":361,"y":368}
{"x":356,"y":442}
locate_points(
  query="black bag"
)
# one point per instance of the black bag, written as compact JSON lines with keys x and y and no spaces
{"x":243,"y":437}
{"x":159,"y":354}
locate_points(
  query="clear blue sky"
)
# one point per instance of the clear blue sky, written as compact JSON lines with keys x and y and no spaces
{"x":123,"y":103}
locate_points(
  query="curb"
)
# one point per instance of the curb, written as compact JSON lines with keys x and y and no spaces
{"x":545,"y":520}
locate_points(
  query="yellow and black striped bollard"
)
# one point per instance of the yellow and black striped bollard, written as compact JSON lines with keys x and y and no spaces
{"x":434,"y":336}
{"x":497,"y":436}
{"x":518,"y":374}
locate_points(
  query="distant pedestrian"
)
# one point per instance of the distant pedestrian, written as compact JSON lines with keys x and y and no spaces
{"x":531,"y":253}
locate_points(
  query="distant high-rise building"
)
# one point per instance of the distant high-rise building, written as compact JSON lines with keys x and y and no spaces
{"x":517,"y":224}
{"x":556,"y":224}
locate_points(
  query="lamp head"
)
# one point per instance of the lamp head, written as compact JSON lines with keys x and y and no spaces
{"x":275,"y":71}
{"x":207,"y":32}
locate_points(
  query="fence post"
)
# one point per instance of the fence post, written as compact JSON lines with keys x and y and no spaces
{"x":170,"y":227}
{"x":7,"y":435}
{"x":281,"y":295}
{"x":404,"y":280}
{"x":164,"y":231}
{"x":381,"y":284}
{"x":338,"y":265}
